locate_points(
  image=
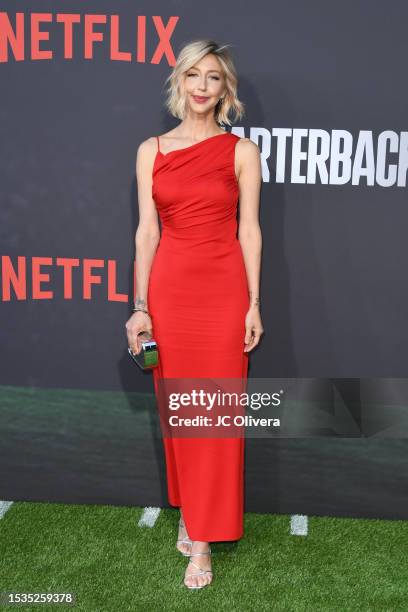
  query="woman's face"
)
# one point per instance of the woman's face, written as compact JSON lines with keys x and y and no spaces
{"x":204,"y":84}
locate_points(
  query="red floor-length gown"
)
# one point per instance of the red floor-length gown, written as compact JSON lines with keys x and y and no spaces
{"x":198,"y":298}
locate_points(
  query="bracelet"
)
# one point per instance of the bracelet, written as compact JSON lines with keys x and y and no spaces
{"x":138,"y":309}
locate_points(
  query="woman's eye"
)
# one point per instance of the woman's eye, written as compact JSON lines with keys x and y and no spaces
{"x":213,"y":77}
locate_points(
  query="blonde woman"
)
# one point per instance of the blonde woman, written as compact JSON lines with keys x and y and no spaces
{"x":197,"y":284}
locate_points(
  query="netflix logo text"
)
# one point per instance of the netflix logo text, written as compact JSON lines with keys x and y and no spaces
{"x":36,"y":278}
{"x":77,"y":35}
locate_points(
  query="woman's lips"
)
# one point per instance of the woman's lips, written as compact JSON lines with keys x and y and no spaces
{"x":200,"y":99}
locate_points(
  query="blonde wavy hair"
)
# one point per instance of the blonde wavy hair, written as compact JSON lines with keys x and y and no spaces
{"x":189,"y":55}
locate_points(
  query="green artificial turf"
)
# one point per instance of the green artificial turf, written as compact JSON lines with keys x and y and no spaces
{"x":111,"y":564}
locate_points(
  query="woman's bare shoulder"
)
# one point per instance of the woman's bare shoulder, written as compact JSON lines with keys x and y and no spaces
{"x":248,"y":157}
{"x":246,"y":146}
{"x":147,"y":146}
{"x":146,"y":151}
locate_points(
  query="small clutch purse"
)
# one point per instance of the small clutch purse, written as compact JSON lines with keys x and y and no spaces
{"x":149,"y":355}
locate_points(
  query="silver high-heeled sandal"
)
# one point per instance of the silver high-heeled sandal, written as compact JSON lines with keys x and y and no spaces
{"x":185,"y":540}
{"x":200,"y":573}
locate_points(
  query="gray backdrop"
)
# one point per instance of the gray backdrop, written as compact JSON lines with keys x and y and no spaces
{"x":325,"y":91}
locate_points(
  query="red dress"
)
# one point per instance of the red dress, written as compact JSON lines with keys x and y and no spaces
{"x":198,"y":298}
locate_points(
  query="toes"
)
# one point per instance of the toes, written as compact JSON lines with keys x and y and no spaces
{"x":205,"y":580}
{"x":198,"y":581}
{"x":190,"y":581}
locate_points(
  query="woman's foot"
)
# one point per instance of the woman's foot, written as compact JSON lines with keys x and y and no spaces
{"x":198,"y":572}
{"x":183,"y":541}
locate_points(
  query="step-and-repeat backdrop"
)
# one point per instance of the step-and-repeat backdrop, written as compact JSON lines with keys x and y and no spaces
{"x":82,"y":85}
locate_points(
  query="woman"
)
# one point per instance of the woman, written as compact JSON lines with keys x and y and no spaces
{"x":197,"y":285}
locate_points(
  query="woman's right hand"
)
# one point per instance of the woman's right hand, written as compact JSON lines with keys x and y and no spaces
{"x":138,"y":322}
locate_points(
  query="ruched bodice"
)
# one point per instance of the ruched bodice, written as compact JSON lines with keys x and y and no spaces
{"x":196,"y":193}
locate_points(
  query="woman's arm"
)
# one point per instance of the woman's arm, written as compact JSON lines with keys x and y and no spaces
{"x":147,"y":235}
{"x":147,"y":238}
{"x":248,"y":162}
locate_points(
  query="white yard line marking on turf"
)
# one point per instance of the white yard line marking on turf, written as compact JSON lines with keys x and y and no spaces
{"x":149,"y":517}
{"x":298,"y":524}
{"x":4,"y":506}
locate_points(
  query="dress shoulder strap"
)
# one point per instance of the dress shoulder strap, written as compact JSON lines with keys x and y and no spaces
{"x":158,"y":143}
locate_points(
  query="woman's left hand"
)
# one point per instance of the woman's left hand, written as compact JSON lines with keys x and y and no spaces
{"x":253,"y":327}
